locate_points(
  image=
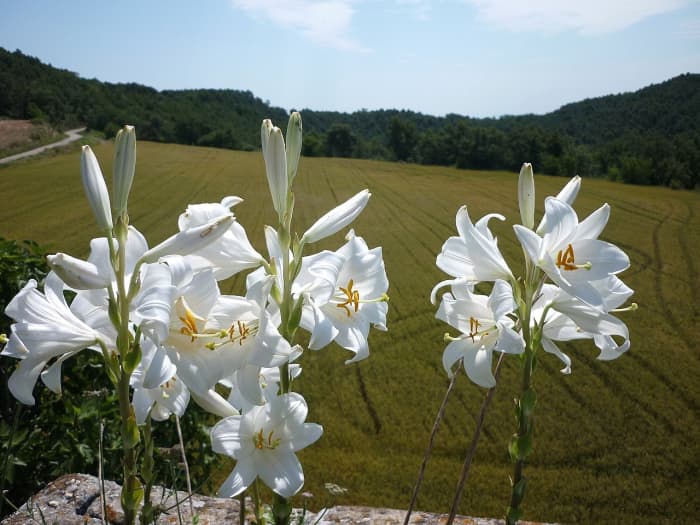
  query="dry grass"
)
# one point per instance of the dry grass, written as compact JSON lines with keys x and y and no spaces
{"x":615,"y":442}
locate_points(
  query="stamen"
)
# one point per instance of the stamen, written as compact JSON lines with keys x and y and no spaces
{"x":261,"y":442}
{"x":565,"y":260}
{"x":473,"y":328}
{"x":352,"y":297}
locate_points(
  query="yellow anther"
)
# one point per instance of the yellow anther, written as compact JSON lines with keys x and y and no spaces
{"x":352,"y":297}
{"x":243,"y":332}
{"x":261,"y":442}
{"x":473,"y":328}
{"x":565,"y":260}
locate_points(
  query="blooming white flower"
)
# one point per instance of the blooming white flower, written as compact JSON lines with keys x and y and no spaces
{"x":230,"y":253}
{"x":485,"y":327}
{"x":212,"y":335}
{"x":45,"y":328}
{"x":568,"y":318}
{"x":344,"y":294}
{"x":263,"y":441}
{"x":95,"y":189}
{"x":570,"y":253}
{"x":474,"y":255}
{"x":337,"y":219}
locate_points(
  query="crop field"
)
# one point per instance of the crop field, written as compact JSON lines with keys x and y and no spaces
{"x":615,"y":442}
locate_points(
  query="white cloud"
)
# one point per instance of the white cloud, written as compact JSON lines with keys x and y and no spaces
{"x":588,"y":17}
{"x":324,"y":22}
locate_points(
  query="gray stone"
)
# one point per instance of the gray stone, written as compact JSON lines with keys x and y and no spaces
{"x":74,"y":499}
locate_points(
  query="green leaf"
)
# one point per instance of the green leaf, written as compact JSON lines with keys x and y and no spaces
{"x":528,"y":401}
{"x":132,"y":500}
{"x":131,"y":435}
{"x":519,"y":490}
{"x":513,"y":515}
{"x":132,"y":360}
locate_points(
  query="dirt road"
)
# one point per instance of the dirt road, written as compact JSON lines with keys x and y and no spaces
{"x":73,"y":135}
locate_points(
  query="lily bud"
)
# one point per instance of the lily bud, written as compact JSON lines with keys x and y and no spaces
{"x":124,"y":166}
{"x":338,"y":218}
{"x":95,"y":188}
{"x":190,"y":240}
{"x":76,"y":273}
{"x":294,"y":135}
{"x":275,"y":167}
{"x":526,"y":195}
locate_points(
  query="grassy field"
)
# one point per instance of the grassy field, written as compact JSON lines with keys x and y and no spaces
{"x":616,"y":442}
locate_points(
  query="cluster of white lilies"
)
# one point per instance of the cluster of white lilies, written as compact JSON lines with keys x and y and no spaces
{"x":168,"y":334}
{"x":569,"y":291}
{"x":571,"y":285}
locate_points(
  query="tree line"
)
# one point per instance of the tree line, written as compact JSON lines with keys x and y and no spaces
{"x":651,"y":136}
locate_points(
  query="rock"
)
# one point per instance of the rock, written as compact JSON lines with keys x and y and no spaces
{"x":74,"y":499}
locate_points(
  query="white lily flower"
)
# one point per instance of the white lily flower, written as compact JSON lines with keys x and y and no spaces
{"x":45,"y":328}
{"x":344,"y":294}
{"x":526,"y":195}
{"x":570,"y":253}
{"x":275,"y":166}
{"x":124,"y":168}
{"x":337,"y":219}
{"x":485,"y":327}
{"x":230,"y":253}
{"x":78,"y":274}
{"x":191,"y":240}
{"x":474,"y":255}
{"x":568,"y":318}
{"x":263,"y":441}
{"x":212,"y":335}
{"x":95,"y":189}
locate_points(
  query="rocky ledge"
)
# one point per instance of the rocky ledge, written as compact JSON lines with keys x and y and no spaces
{"x":74,"y":499}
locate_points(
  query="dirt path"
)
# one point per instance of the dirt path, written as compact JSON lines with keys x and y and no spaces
{"x":73,"y":135}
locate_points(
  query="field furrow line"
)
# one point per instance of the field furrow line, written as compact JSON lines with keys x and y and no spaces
{"x":670,"y":315}
{"x":368,"y":402}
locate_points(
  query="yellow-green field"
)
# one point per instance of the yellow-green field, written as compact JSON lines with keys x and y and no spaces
{"x":615,"y":441}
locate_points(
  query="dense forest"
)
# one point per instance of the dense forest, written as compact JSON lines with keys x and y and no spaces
{"x":651,"y":136}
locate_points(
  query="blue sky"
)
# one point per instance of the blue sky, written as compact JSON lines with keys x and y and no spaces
{"x":472,"y":57}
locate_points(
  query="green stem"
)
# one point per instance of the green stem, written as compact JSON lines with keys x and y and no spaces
{"x":147,"y":472}
{"x":521,"y":444}
{"x":259,"y":519}
{"x":132,"y":491}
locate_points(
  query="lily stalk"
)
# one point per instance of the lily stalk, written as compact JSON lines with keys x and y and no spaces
{"x":281,"y":165}
{"x":129,"y":357}
{"x":520,"y":445}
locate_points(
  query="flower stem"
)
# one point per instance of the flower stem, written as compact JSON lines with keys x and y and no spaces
{"x":429,"y":448}
{"x":521,"y":443}
{"x":472,"y":448}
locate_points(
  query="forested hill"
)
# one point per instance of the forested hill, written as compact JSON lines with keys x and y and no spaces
{"x":651,"y":136}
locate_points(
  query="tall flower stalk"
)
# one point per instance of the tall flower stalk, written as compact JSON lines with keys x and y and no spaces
{"x":569,"y":291}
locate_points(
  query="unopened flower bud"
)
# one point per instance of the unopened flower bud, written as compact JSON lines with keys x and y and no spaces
{"x":95,"y":189}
